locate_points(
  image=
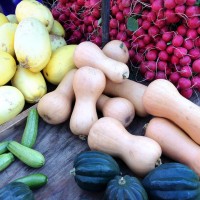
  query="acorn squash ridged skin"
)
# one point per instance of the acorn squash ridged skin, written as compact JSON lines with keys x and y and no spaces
{"x":16,"y":191}
{"x":172,"y":181}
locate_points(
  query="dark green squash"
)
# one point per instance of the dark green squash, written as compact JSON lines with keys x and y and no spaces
{"x":172,"y":181}
{"x":93,"y":170}
{"x":125,"y":188}
{"x":16,"y":191}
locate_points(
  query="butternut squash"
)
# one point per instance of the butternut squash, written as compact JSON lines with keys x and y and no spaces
{"x":162,"y":99}
{"x":116,"y":107}
{"x":117,"y":50}
{"x":88,"y":85}
{"x":89,"y":54}
{"x":174,"y":142}
{"x":55,"y":107}
{"x":130,"y":90}
{"x":140,"y":153}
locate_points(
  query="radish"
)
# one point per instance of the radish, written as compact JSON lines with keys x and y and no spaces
{"x":146,"y":24}
{"x":151,"y":55}
{"x":157,"y":6}
{"x":187,"y":93}
{"x":177,"y":40}
{"x":180,"y":2}
{"x":174,"y":77}
{"x":163,"y":55}
{"x":194,"y":53}
{"x":191,"y":11}
{"x":149,"y":75}
{"x":182,"y":30}
{"x":196,"y":66}
{"x":160,"y":75}
{"x":167,"y":36}
{"x":190,"y":2}
{"x":192,"y":34}
{"x":186,"y":60}
{"x":169,"y":4}
{"x":174,"y":60}
{"x":113,"y":23}
{"x":151,"y":65}
{"x":170,"y":49}
{"x":184,"y":83}
{"x":153,"y":31}
{"x":162,"y":65}
{"x":126,"y":3}
{"x":186,"y":71}
{"x":115,"y":9}
{"x":161,"y":45}
{"x":188,"y":44}
{"x":180,"y":10}
{"x":193,"y":22}
{"x":180,"y":52}
{"x":195,"y":82}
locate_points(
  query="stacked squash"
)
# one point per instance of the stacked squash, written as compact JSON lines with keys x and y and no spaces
{"x":88,"y":88}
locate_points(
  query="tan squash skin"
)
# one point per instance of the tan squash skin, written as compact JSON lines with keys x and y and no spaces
{"x":55,"y":107}
{"x":174,"y":142}
{"x":162,"y":99}
{"x":140,"y":153}
{"x":116,"y":50}
{"x":89,"y":54}
{"x":116,"y":107}
{"x":88,"y":85}
{"x":130,"y":90}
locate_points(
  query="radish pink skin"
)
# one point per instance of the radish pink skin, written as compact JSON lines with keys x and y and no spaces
{"x":149,"y":75}
{"x":190,"y":2}
{"x":187,"y":93}
{"x":161,"y":45}
{"x":162,"y":65}
{"x":174,"y":60}
{"x":186,"y":60}
{"x":184,"y":83}
{"x":195,"y":82}
{"x":174,"y":77}
{"x":160,"y":75}
{"x":188,"y":44}
{"x":177,"y":40}
{"x":170,"y":49}
{"x":193,"y":22}
{"x":182,"y":30}
{"x":191,"y":11}
{"x":194,"y":53}
{"x":196,"y":66}
{"x":186,"y":71}
{"x":151,"y":55}
{"x":180,"y":2}
{"x":192,"y":34}
{"x":167,"y":36}
{"x":180,"y":52}
{"x":163,"y":56}
{"x":170,"y":4}
{"x":180,"y":9}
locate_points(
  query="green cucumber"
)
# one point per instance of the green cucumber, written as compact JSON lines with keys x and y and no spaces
{"x":5,"y":160}
{"x":3,"y":147}
{"x":33,"y":180}
{"x":31,"y":129}
{"x":27,"y":155}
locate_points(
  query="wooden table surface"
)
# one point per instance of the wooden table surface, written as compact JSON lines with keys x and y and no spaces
{"x":59,"y":146}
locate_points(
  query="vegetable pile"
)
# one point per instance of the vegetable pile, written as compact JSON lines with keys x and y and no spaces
{"x":162,"y":36}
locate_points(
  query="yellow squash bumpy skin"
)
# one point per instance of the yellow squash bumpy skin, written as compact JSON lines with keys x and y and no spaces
{"x":32,"y":44}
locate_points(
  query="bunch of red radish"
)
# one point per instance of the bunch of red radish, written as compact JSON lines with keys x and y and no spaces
{"x":165,"y":45}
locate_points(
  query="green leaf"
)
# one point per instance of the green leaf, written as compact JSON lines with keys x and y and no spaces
{"x":197,"y":3}
{"x":132,"y":24}
{"x":99,"y":21}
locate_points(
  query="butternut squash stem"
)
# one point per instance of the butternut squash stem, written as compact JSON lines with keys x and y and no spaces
{"x":125,"y":75}
{"x":82,"y":137}
{"x":158,"y":162}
